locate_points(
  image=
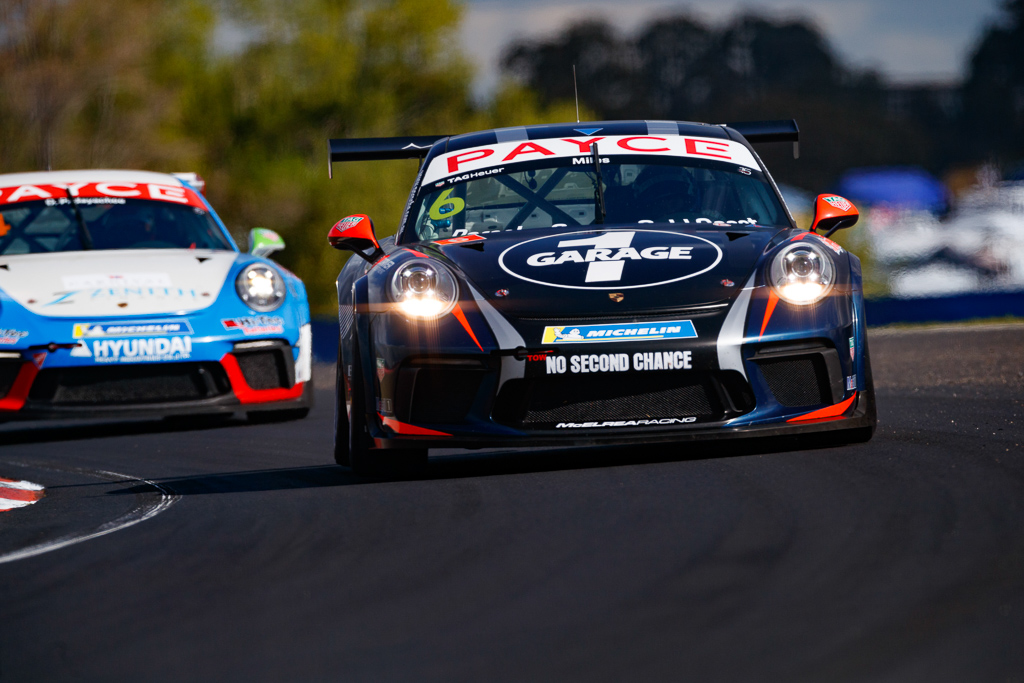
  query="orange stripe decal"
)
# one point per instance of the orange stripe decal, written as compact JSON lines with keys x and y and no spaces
{"x":831,"y":412}
{"x":461,"y":317}
{"x":773,"y":299}
{"x":403,"y":428}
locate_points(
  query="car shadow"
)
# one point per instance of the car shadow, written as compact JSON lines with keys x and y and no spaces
{"x":48,"y":432}
{"x":461,"y":465}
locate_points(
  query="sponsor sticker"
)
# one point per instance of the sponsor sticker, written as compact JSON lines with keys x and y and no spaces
{"x":627,"y":423}
{"x":254,"y":324}
{"x":105,"y":193}
{"x":137,"y":349}
{"x":831,"y":245}
{"x":839,"y":202}
{"x":474,"y":162}
{"x":617,"y":362}
{"x":8,"y":336}
{"x":122,"y":329}
{"x":612,"y":260}
{"x":853,"y":350}
{"x":851,"y":382}
{"x":473,"y":237}
{"x":121,"y":293}
{"x":586,"y":334}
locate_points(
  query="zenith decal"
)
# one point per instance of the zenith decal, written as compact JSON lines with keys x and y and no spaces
{"x":123,"y":293}
{"x":582,"y":334}
{"x":600,"y":261}
{"x":255,"y":324}
{"x":627,"y":423}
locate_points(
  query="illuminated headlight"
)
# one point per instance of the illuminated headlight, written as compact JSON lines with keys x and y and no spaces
{"x":260,"y":287}
{"x":802,"y":273}
{"x":424,"y":289}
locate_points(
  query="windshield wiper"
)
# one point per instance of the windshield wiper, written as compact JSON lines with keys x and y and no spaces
{"x":599,"y":212}
{"x":83,"y":231}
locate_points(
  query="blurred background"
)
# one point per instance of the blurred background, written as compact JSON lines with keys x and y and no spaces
{"x":913,"y":110}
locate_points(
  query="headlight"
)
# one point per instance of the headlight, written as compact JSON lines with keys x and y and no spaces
{"x":260,"y":287}
{"x":802,"y":273}
{"x":424,"y":289}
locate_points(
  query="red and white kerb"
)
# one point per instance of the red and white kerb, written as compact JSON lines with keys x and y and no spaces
{"x":17,"y":494}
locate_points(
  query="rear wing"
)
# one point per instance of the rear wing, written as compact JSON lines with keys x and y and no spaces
{"x":783,"y":130}
{"x":379,"y":149}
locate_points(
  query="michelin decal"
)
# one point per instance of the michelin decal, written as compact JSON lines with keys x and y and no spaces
{"x":584,"y":334}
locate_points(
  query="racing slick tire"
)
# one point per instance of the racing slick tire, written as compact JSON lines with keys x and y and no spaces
{"x":352,"y":443}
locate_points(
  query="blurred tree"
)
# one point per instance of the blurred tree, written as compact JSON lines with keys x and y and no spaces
{"x":993,"y":96}
{"x":753,"y":68}
{"x":145,"y":84}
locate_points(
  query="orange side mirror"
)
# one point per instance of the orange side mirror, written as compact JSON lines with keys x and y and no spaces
{"x":832,"y":212}
{"x":355,"y":233}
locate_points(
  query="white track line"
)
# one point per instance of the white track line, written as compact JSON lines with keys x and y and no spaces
{"x":23,"y":485}
{"x":131,"y":518}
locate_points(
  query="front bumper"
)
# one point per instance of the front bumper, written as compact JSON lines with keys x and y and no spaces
{"x":215,"y":374}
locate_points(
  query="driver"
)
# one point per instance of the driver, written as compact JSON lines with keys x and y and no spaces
{"x":664,"y":192}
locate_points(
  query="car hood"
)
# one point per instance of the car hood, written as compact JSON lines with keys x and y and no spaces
{"x":124,"y":282}
{"x":618,"y":270}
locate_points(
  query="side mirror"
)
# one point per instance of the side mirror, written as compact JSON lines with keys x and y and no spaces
{"x":832,"y":212}
{"x":264,"y":242}
{"x":355,"y":233}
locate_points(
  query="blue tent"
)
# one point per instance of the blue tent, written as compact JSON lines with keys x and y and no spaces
{"x":903,"y":186}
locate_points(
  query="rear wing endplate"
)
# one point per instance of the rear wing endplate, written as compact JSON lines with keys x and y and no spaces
{"x":379,"y":149}
{"x":783,"y":130}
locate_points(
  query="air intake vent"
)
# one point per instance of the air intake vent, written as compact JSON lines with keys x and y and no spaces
{"x":801,"y":374}
{"x":129,"y":384}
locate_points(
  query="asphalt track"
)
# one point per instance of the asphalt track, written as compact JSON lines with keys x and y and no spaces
{"x":248,"y":556}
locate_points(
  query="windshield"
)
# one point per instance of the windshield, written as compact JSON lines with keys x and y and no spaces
{"x":34,"y":227}
{"x":557,"y":192}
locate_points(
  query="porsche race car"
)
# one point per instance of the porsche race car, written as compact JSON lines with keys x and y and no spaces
{"x":122,"y":295}
{"x":599,"y":283}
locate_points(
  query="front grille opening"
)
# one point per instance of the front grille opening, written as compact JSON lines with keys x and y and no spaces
{"x":129,"y":384}
{"x":264,"y":369}
{"x":443,"y":394}
{"x":798,"y":381}
{"x":546,"y":401}
{"x":9,"y":369}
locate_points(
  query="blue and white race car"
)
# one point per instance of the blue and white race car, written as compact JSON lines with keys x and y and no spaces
{"x":122,"y":294}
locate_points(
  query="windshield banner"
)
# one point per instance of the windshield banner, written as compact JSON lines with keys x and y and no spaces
{"x":100,"y":193}
{"x":470,"y":161}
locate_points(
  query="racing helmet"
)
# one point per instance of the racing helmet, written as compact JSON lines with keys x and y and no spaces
{"x":665,"y":191}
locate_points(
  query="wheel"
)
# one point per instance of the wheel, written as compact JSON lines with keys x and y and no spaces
{"x":357,"y":441}
{"x":352,"y":443}
{"x":341,"y":454}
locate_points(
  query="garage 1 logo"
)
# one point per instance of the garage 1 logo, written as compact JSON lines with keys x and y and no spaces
{"x":616,"y":259}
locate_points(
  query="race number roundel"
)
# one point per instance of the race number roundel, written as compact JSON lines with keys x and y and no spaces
{"x":612,"y":259}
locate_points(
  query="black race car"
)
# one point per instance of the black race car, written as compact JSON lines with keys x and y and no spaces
{"x":596,"y":283}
